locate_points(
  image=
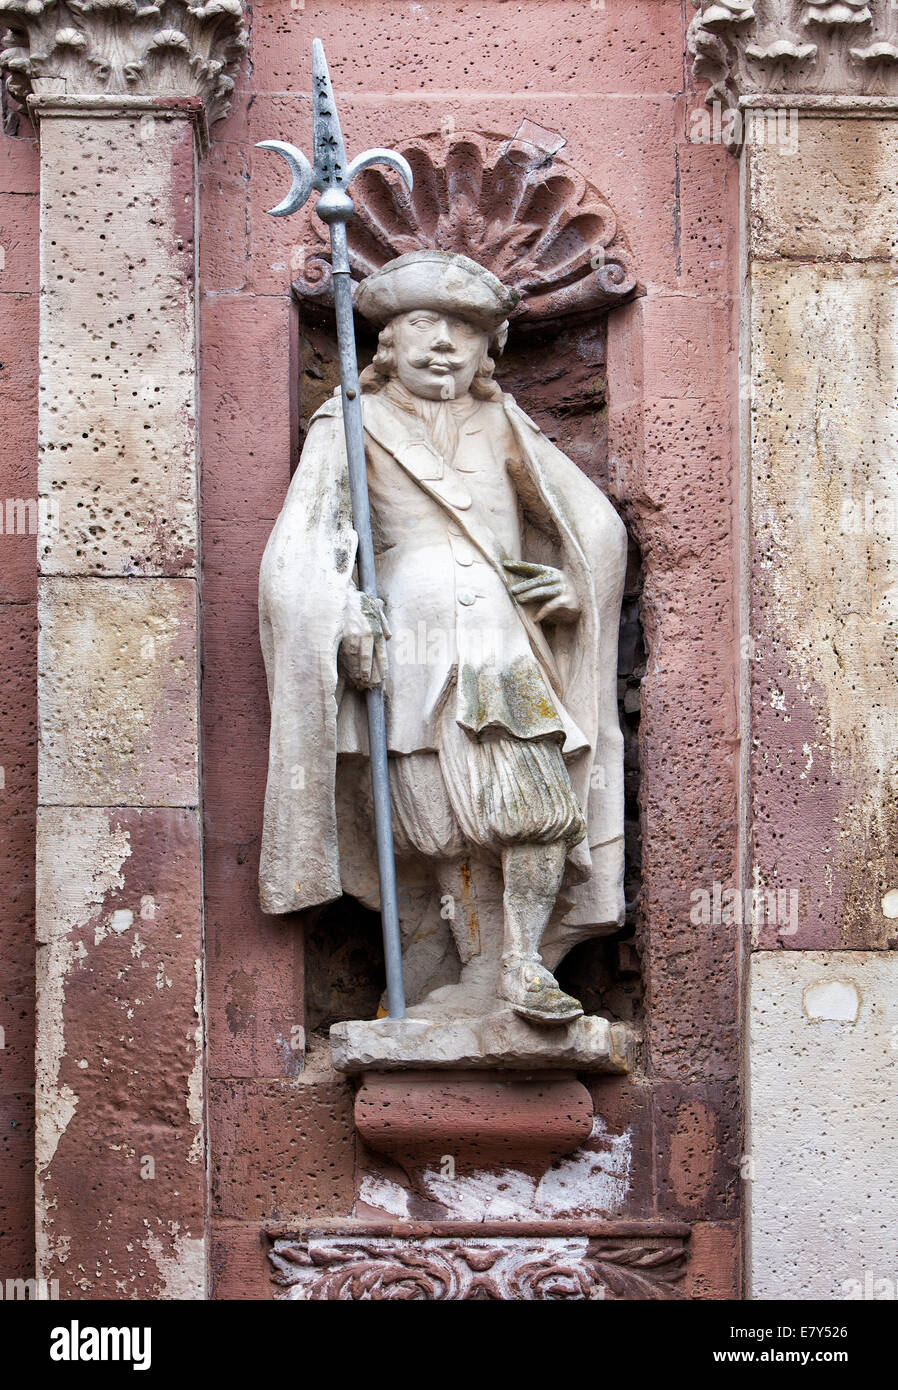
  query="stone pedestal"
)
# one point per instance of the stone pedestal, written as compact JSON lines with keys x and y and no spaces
{"x":486,"y":1119}
{"x":501,"y":1039}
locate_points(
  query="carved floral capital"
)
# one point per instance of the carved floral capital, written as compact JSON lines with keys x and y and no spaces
{"x":815,"y":49}
{"x":149,"y":48}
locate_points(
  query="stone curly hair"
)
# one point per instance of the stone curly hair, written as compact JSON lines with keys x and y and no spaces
{"x":383,"y":365}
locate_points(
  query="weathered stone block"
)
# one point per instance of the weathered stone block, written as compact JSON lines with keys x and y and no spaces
{"x":117,"y":666}
{"x":822,"y":649}
{"x":831,"y":193}
{"x":281,"y":1149}
{"x":239,"y":1264}
{"x":823,"y":1120}
{"x":254,"y":970}
{"x":118,"y":450}
{"x":18,"y":448}
{"x":120,"y":1143}
{"x":17,"y":1188}
{"x":246,"y":426}
{"x":697,"y":1151}
{"x":714,"y":1264}
{"x":18,"y":241}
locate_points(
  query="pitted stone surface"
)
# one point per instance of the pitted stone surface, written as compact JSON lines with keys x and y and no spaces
{"x":120,"y":1142}
{"x":832,"y":193}
{"x":824,"y":653}
{"x":117,"y":441}
{"x":822,"y":1125}
{"x":281,"y":1149}
{"x":676,"y":203}
{"x":117,"y":664}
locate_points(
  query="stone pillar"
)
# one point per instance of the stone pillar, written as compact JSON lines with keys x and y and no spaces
{"x":122,"y":107}
{"x":816,"y":110}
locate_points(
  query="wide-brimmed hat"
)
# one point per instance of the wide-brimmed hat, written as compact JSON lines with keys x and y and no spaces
{"x":440,"y":280}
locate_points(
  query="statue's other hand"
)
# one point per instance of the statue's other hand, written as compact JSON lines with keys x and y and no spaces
{"x":543,"y":584}
{"x":363,"y":646}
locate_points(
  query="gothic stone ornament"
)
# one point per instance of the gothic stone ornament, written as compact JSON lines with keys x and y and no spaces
{"x":501,"y":570}
{"x":511,"y":204}
{"x":803,"y":48}
{"x":159,"y":48}
{"x":510,"y":1268}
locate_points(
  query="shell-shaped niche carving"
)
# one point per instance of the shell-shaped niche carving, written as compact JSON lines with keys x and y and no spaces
{"x":507,"y":202}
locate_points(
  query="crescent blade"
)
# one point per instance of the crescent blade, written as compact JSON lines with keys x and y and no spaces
{"x":389,"y":157}
{"x":301,"y":170}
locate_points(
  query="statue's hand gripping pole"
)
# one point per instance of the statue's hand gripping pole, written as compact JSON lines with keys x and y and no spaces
{"x":330,"y":176}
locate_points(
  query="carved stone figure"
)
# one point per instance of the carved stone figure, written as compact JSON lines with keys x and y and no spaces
{"x":500,"y":569}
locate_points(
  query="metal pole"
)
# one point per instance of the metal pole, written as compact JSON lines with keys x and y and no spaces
{"x":377,"y":722}
{"x":331,"y":177}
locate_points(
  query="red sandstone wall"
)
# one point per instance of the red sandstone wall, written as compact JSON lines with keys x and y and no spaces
{"x":18,"y":726}
{"x":612,"y":79}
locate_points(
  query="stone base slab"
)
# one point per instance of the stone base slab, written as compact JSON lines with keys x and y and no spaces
{"x":500,"y":1040}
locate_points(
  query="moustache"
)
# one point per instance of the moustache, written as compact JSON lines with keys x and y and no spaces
{"x":427,"y":359}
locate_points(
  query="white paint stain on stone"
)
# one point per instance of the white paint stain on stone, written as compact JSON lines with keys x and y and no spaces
{"x":195,"y":1088}
{"x":594,"y":1181}
{"x":590,"y":1179}
{"x":839,"y":1000}
{"x":890,"y":903}
{"x":72,"y":881}
{"x":181,"y":1264}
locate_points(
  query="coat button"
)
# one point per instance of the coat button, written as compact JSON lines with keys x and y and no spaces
{"x":457,"y":497}
{"x":466,"y":596}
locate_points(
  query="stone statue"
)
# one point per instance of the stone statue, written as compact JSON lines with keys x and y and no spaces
{"x":501,"y":570}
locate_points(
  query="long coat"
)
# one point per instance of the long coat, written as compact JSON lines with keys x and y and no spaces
{"x":306,"y":571}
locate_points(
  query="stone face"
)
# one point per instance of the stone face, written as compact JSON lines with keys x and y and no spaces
{"x":18,"y":435}
{"x":118,"y":450}
{"x":617,"y":94}
{"x":118,"y":692}
{"x":17,"y":1190}
{"x":821,"y":661}
{"x":823,"y":1120}
{"x":120,"y":1138}
{"x":671,"y":458}
{"x":713,"y":1271}
{"x":697,"y":1152}
{"x":18,"y":727}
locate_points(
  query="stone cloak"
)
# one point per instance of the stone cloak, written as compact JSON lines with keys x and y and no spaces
{"x":306,"y":571}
